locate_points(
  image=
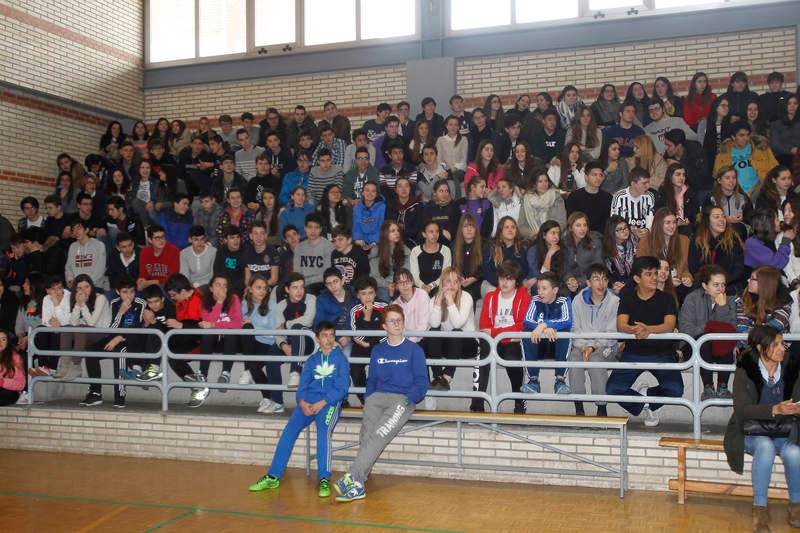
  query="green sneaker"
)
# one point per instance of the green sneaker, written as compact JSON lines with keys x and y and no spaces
{"x":324,"y":488}
{"x":267,"y":482}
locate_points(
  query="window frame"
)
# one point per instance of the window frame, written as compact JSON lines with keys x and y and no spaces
{"x":642,"y":8}
{"x":276,"y":50}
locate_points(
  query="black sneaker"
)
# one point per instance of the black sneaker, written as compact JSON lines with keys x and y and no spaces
{"x":520,"y":407}
{"x":92,"y":398}
{"x":579,"y":409}
{"x":119,"y":402}
{"x":602,"y":410}
{"x":444,"y":383}
{"x":477,"y":406}
{"x":436,"y":384}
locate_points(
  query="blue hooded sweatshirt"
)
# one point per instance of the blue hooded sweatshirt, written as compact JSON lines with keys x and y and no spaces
{"x":324,"y":377}
{"x":367,"y":221}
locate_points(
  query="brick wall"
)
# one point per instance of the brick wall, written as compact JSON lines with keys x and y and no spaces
{"x":756,"y":52}
{"x":83,"y":51}
{"x":250,"y":439}
{"x":356,"y":93}
{"x":42,"y":131}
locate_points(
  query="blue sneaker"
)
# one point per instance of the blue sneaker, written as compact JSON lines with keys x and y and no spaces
{"x":355,"y":492}
{"x":344,"y":484}
{"x":561,"y":387}
{"x":531,"y":386}
{"x":128,"y":373}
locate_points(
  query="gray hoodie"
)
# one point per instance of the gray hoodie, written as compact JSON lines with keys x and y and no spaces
{"x":696,"y":311}
{"x":590,"y":318}
{"x":311,"y":260}
{"x":89,"y":258}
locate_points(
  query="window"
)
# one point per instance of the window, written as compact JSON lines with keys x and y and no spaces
{"x":381,"y":19}
{"x":469,"y":14}
{"x":666,"y":4}
{"x":329,"y":21}
{"x":596,"y":5}
{"x":223,"y":27}
{"x":171,"y":30}
{"x":536,"y":12}
{"x":181,"y":30}
{"x":274,"y":22}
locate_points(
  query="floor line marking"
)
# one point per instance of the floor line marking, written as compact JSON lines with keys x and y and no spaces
{"x":191,"y":510}
{"x":170,"y":521}
{"x":103,"y":518}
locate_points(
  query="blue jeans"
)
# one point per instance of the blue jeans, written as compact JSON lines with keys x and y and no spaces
{"x":531,"y":352}
{"x":670,"y":382}
{"x":764,"y":449}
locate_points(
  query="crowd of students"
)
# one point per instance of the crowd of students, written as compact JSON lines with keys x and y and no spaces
{"x":648,"y":215}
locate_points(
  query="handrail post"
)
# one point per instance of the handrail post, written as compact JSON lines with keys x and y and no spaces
{"x":164,"y":372}
{"x":696,"y":388}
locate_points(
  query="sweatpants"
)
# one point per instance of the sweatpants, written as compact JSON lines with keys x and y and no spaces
{"x":326,"y":420}
{"x":597,"y":376}
{"x":385,"y":414}
{"x":119,"y":365}
{"x":532,"y":351}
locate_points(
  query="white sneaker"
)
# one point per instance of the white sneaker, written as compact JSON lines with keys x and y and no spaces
{"x":23,"y":398}
{"x":294,"y":380}
{"x":650,"y":417}
{"x":265,"y":406}
{"x":245,"y":378}
{"x":274,"y":409}
{"x":430,"y":403}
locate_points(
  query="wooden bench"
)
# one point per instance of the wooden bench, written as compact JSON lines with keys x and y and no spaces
{"x":682,"y":484}
{"x":502,"y":423}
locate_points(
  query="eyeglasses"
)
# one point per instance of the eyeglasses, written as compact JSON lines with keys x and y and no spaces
{"x":598,"y":278}
{"x":622,"y":230}
{"x":404,"y":282}
{"x":393,"y":321}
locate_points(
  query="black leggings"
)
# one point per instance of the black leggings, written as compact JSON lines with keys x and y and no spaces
{"x":449,"y":348}
{"x":8,"y":397}
{"x":707,"y":376}
{"x":251,"y":346}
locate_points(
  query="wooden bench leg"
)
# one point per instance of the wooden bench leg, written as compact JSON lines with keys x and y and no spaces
{"x":681,"y":475}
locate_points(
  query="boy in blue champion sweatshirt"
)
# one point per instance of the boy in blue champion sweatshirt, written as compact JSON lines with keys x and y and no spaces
{"x":547,"y":314}
{"x":323,"y":386}
{"x":397,"y":381}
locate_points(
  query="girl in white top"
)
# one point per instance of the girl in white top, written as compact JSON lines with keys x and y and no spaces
{"x":452,"y":147}
{"x":89,"y":308}
{"x":451,"y":310}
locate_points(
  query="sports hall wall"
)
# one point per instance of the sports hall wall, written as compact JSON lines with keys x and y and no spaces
{"x":357,"y":92}
{"x":66,"y":68}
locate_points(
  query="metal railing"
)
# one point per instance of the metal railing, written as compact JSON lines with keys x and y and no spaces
{"x":690,"y":400}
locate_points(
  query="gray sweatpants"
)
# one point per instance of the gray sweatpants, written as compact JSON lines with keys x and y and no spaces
{"x":385,"y":414}
{"x":598,"y":376}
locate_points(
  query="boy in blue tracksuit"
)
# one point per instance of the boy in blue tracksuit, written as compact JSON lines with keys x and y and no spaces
{"x":323,"y":386}
{"x":547,"y":314}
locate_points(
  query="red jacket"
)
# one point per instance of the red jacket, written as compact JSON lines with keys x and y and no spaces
{"x":519,"y":307}
{"x":190,"y":311}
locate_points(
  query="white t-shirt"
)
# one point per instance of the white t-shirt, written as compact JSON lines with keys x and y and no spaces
{"x":504,"y":316}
